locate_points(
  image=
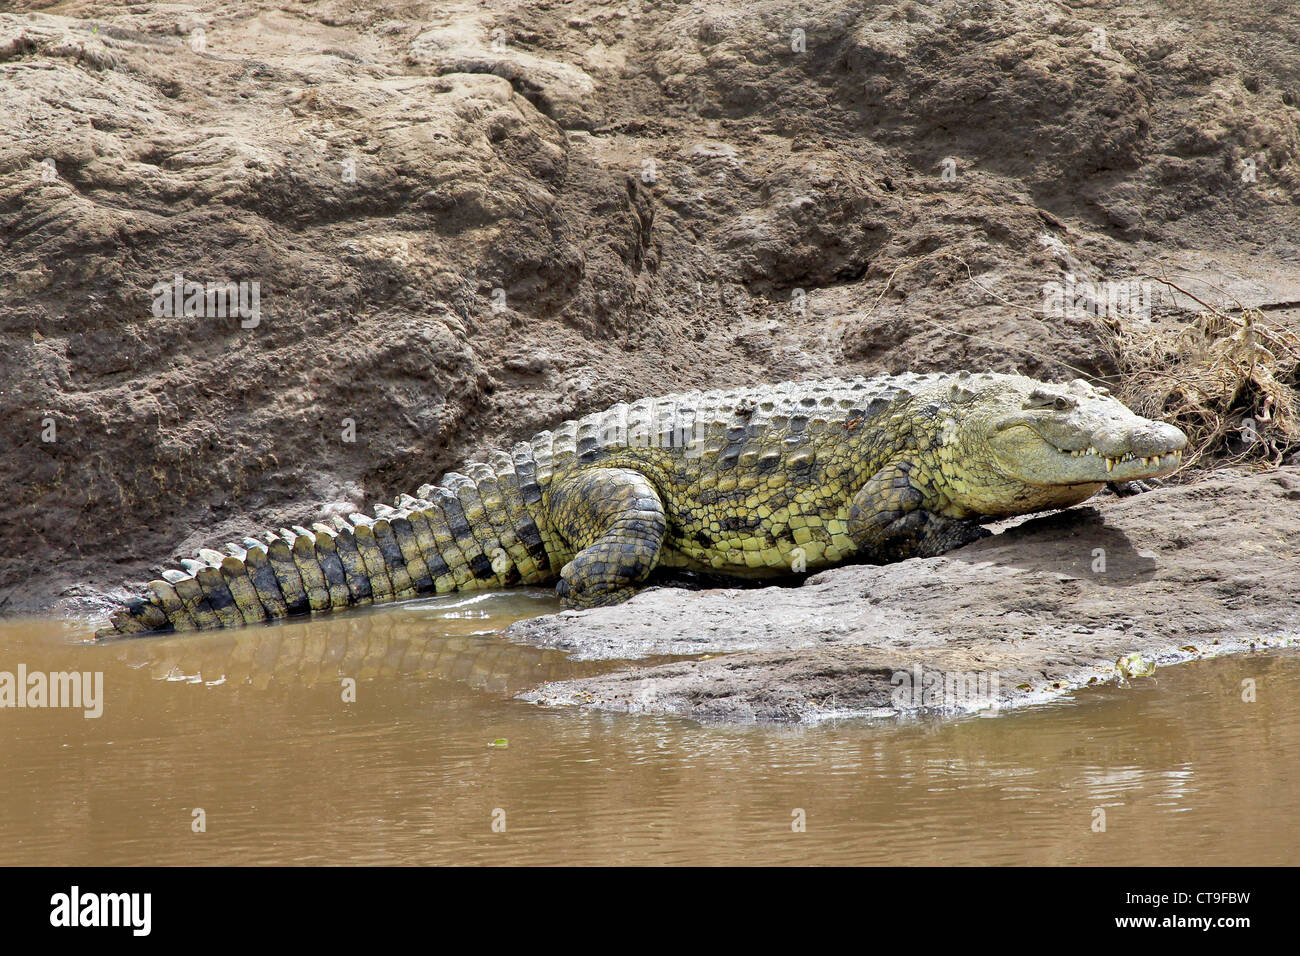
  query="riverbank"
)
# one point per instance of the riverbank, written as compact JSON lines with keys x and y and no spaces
{"x":454,"y":225}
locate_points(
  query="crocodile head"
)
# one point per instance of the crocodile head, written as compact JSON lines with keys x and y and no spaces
{"x":1051,"y":446}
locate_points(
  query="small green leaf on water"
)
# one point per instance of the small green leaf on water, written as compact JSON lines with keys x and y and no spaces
{"x":500,"y":742}
{"x":1132,"y":665}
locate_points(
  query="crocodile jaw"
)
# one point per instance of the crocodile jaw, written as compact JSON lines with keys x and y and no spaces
{"x":1127,"y":467}
{"x":1146,"y":450}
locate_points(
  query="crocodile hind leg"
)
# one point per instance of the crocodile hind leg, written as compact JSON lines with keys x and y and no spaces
{"x":888,"y":520}
{"x":614,"y":521}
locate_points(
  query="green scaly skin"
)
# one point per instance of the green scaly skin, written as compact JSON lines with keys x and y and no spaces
{"x":749,"y":482}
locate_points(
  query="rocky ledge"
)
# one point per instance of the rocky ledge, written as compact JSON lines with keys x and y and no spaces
{"x":1097,"y":593}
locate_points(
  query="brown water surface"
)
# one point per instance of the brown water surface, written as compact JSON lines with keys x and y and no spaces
{"x":251,"y":727}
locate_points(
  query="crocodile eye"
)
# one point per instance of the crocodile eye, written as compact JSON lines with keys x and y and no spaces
{"x":1042,"y":399}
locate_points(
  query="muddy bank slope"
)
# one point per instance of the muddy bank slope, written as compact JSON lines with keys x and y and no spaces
{"x":1044,"y":606}
{"x":470,"y":220}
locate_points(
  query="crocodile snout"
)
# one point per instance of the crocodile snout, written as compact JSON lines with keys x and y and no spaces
{"x":1143,"y":440}
{"x":1156,"y":438}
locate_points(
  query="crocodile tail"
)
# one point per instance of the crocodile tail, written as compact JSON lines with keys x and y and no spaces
{"x":481,"y":529}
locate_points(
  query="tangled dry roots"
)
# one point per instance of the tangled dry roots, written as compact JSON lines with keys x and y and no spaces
{"x":1229,"y":380}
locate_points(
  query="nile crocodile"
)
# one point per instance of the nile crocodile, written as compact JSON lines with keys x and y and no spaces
{"x":743,"y":482}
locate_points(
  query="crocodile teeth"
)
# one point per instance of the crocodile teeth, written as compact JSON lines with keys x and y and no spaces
{"x":1110,"y":464}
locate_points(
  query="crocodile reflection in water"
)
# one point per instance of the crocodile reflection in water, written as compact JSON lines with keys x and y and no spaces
{"x":455,"y":643}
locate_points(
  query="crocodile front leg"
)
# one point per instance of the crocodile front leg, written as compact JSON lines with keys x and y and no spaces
{"x":614,"y":520}
{"x":889,"y":522}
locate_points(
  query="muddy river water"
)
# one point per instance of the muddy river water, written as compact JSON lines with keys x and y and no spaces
{"x":246,"y":747}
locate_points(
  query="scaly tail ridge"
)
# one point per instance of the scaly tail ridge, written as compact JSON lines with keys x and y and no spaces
{"x":483,"y":529}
